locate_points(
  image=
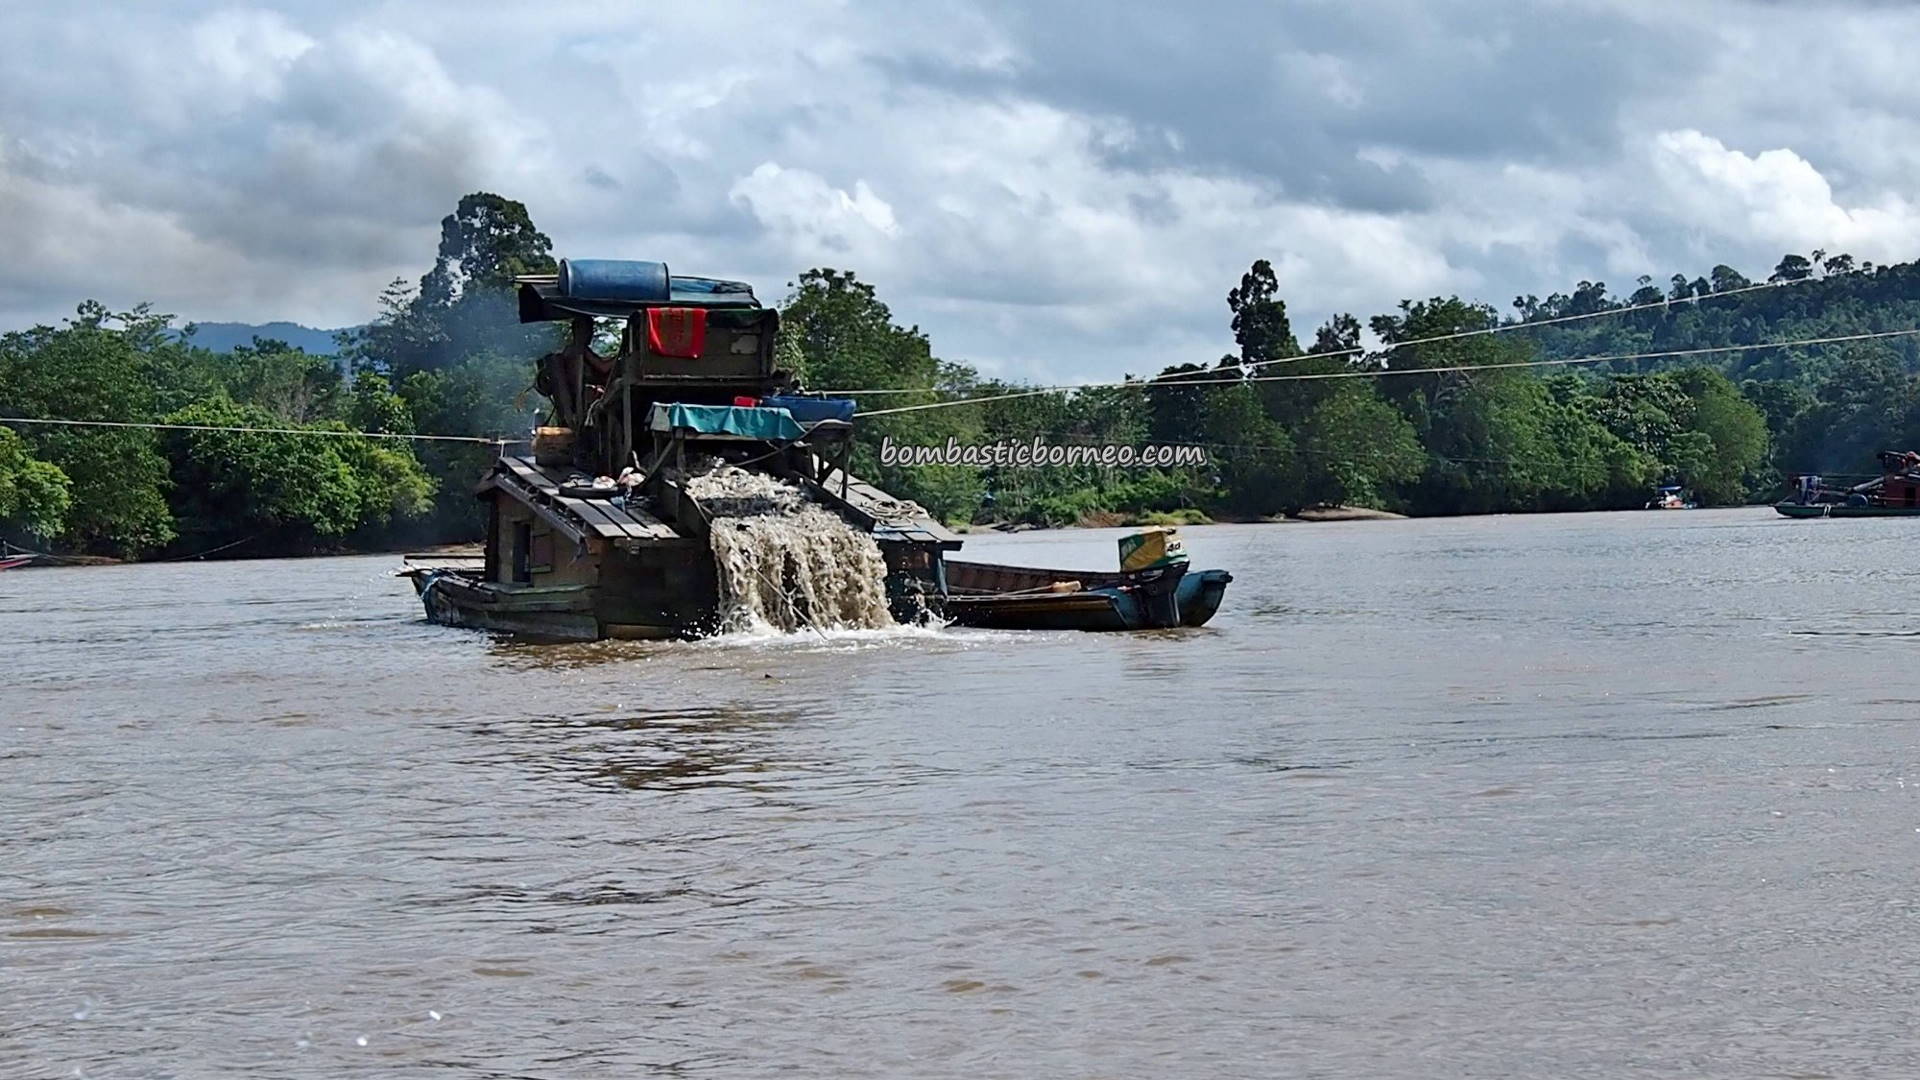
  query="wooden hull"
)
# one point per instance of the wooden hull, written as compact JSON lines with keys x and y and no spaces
{"x":1101,"y":602}
{"x":460,"y":597}
{"x":1842,"y":510}
{"x":539,"y":613}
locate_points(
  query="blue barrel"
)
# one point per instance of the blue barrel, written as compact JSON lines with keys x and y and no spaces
{"x":615,"y":279}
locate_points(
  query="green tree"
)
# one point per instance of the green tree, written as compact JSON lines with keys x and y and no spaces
{"x":1792,"y":268}
{"x":1726,"y":279}
{"x":845,"y":338}
{"x":1178,"y":413}
{"x":373,"y":406}
{"x":1260,"y":324}
{"x":837,"y":334}
{"x":1867,"y":403}
{"x":1253,"y":456}
{"x":34,"y":495}
{"x":484,"y":244}
{"x":1736,"y":434}
{"x":455,"y":358}
{"x":1291,"y":401}
{"x":1355,"y":449}
{"x":290,"y":491}
{"x":465,"y":304}
{"x":95,"y":368}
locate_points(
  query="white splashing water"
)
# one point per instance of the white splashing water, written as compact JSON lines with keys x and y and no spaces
{"x":787,"y":564}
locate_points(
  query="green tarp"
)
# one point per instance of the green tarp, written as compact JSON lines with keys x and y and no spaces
{"x":773,"y":425}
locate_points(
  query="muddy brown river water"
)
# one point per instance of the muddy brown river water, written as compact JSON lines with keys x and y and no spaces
{"x":1574,"y":796}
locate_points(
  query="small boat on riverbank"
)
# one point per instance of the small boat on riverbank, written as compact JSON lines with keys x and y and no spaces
{"x":1671,"y":497}
{"x":1894,"y":493}
{"x":13,"y":562}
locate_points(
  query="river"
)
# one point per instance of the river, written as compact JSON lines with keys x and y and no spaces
{"x":1563,"y":795}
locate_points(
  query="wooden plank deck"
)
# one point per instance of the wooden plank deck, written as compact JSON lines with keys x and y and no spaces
{"x":600,"y":517}
{"x":885,"y":509}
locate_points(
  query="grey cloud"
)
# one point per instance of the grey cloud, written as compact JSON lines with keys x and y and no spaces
{"x":1051,"y":190}
{"x":1245,"y":87}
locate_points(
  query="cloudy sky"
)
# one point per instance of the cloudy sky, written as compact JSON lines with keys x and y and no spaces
{"x":1060,"y":190}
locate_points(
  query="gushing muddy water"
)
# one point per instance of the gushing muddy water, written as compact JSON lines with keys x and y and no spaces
{"x":1596,"y":796}
{"x":786,"y":564}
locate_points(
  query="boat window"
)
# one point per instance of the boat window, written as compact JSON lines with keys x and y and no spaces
{"x":522,"y":545}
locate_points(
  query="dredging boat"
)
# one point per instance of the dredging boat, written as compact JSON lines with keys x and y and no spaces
{"x":1894,"y":493}
{"x":683,"y":486}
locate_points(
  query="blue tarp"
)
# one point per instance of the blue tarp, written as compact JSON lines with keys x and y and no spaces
{"x":774,"y":425}
{"x":811,"y":410}
{"x":708,"y":292}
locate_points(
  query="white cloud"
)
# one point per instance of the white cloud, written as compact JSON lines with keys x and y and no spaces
{"x":245,"y":54}
{"x":810,"y":216}
{"x":1048,"y":192}
{"x":1778,"y":196}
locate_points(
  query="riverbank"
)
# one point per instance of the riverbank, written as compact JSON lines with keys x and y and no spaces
{"x":1344,"y":513}
{"x":47,"y":560}
{"x":1184,"y":518}
{"x":995,"y":528}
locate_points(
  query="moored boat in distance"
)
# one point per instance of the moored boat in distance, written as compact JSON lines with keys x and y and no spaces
{"x":1671,"y":497}
{"x":1894,"y":493}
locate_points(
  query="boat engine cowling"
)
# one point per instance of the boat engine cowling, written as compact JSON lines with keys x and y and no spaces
{"x":1154,"y":560}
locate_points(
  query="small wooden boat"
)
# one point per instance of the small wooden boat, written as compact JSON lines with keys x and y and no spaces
{"x":12,"y":562}
{"x":1670,"y":498}
{"x":997,"y":597}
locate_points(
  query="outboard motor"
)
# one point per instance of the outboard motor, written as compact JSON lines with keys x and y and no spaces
{"x":1153,"y":561}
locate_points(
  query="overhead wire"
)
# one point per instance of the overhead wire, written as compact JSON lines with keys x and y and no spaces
{"x":1352,"y":456}
{"x":236,"y":428}
{"x":1157,"y":383}
{"x":1504,"y":328}
{"x":1162,"y":383}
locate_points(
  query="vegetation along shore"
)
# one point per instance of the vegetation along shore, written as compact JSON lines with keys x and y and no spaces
{"x":264,"y":449}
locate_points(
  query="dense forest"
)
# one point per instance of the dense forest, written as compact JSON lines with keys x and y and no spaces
{"x":272,"y":450}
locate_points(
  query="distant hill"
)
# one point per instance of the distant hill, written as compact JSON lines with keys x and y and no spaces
{"x":223,"y":336}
